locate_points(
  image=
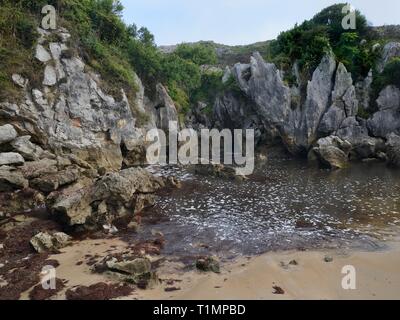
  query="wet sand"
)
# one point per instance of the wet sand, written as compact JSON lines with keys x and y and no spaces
{"x":377,"y":276}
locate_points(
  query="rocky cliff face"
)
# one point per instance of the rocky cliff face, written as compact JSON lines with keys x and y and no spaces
{"x":71,"y":114}
{"x":330,"y":107}
{"x":64,"y":143}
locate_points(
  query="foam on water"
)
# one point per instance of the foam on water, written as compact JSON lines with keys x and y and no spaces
{"x":289,"y":206}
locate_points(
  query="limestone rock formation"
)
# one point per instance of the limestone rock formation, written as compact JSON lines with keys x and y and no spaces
{"x":387,"y":119}
{"x":391,"y":50}
{"x":72,"y":114}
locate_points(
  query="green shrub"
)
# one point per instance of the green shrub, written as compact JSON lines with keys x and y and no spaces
{"x":200,"y":54}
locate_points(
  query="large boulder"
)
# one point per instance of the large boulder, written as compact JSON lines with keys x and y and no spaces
{"x":7,"y":133}
{"x":114,"y":196}
{"x":332,"y":152}
{"x":387,"y":119}
{"x":332,"y":157}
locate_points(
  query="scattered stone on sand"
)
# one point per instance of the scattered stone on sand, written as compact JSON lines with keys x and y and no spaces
{"x":171,"y":289}
{"x":328,"y":259}
{"x":99,"y":291}
{"x":45,"y":242}
{"x":208,"y":264}
{"x":278,"y":290}
{"x":293,"y":263}
{"x":136,"y":271}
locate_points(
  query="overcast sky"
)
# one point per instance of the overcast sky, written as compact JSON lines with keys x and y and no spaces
{"x":238,"y":21}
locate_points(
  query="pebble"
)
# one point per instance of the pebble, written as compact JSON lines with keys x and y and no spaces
{"x":328,"y":259}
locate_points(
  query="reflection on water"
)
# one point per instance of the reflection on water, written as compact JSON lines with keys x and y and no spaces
{"x":289,"y":205}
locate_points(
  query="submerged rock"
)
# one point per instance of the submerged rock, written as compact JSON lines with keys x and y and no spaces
{"x":208,"y":264}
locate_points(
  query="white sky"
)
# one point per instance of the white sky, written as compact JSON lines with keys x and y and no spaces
{"x":238,"y":21}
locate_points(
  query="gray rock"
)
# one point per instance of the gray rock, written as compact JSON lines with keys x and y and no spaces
{"x":234,"y":112}
{"x":11,"y":158}
{"x":332,"y":152}
{"x":363,"y":91}
{"x":356,"y":132}
{"x":318,"y":96}
{"x":208,"y":264}
{"x":391,"y":50}
{"x":7,"y":133}
{"x":332,"y":120}
{"x":11,"y":180}
{"x":113,"y":196}
{"x":345,"y":103}
{"x":137,"y":266}
{"x":19,"y":80}
{"x":26,"y":148}
{"x":393,"y":150}
{"x":261,"y":82}
{"x":333,"y":157}
{"x":387,"y":119}
{"x":52,"y":182}
{"x":42,"y":54}
{"x":45,"y":242}
{"x":165,"y":108}
{"x":35,"y":169}
{"x":76,"y":116}
{"x":50,"y":76}
{"x":137,"y":271}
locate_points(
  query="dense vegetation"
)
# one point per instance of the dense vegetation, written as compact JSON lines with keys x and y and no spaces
{"x":117,"y":51}
{"x":308,"y":42}
{"x":107,"y":44}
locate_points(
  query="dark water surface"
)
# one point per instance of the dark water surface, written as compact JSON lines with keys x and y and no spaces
{"x":289,"y":205}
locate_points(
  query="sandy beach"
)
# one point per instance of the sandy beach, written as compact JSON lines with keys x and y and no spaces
{"x":300,"y":275}
{"x":377,"y":277}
